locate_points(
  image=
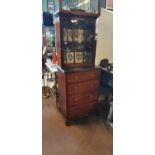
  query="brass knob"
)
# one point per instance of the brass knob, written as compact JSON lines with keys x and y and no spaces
{"x":92,"y":75}
{"x":91,"y":96}
{"x":75,"y":77}
{"x":75,"y":87}
{"x":91,"y":85}
{"x":75,"y":99}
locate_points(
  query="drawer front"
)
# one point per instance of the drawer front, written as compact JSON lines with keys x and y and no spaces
{"x":83,"y":76}
{"x":74,"y":113}
{"x":79,"y":107}
{"x":79,"y":111}
{"x":82,"y":99}
{"x":83,"y":87}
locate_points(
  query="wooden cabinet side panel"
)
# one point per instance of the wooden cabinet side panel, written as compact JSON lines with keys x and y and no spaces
{"x":62,"y":91}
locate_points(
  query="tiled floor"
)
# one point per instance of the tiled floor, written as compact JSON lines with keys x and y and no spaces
{"x":89,"y":136}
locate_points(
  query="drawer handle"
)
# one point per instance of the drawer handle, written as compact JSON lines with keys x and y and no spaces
{"x":91,"y":75}
{"x":91,"y":96}
{"x":91,"y":86}
{"x":75,"y":99}
{"x":75,"y":77}
{"x":75,"y":87}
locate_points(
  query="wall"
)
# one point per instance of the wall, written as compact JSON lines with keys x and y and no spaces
{"x":104,"y":47}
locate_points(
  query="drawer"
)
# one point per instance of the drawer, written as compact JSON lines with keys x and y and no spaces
{"x":86,"y":105}
{"x":83,"y":98}
{"x":83,"y":87}
{"x":79,"y":112}
{"x":83,"y":76}
{"x":77,"y":108}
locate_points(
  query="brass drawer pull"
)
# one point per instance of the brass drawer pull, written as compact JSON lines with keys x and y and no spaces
{"x":75,"y":77}
{"x":76,"y":87}
{"x":91,"y":96}
{"x":75,"y":99}
{"x":91,"y":85}
{"x":91,"y":75}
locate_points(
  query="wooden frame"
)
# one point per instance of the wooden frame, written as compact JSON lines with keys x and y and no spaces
{"x":61,"y":11}
{"x":61,"y":49}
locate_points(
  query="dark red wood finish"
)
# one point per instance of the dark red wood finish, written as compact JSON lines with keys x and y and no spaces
{"x":78,"y":95}
{"x":78,"y":84}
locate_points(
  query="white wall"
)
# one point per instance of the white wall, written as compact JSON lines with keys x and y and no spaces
{"x":105,"y":36}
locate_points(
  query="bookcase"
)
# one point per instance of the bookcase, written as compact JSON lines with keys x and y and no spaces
{"x":78,"y":78}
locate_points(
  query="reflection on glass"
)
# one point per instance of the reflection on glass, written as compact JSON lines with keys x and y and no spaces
{"x":87,"y":57}
{"x":70,"y":57}
{"x":78,"y":57}
{"x":88,"y":6}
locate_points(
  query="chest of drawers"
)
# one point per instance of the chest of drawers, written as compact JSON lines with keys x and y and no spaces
{"x":78,"y":91}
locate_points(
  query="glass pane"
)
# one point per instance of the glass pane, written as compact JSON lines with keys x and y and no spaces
{"x":70,"y":57}
{"x":88,"y":6}
{"x":78,"y":38}
{"x":87,"y":57}
{"x":56,"y":5}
